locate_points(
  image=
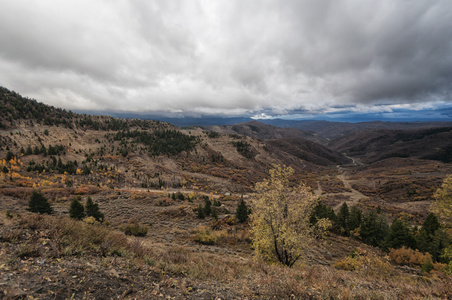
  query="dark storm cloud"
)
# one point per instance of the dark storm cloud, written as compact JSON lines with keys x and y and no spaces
{"x":229,"y":57}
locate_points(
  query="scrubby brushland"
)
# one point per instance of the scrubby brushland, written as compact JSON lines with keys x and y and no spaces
{"x":95,"y":207}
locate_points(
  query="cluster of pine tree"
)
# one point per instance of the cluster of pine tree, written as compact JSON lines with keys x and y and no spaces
{"x":159,"y":142}
{"x":372,"y":228}
{"x":243,"y":148}
{"x":15,"y":107}
{"x":51,"y":150}
{"x":208,"y":209}
{"x":178,"y":196}
{"x":212,"y":134}
{"x":70,"y":167}
{"x":113,"y":124}
{"x":78,"y":211}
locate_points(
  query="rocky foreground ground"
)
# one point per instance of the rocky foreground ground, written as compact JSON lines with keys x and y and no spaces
{"x":54,"y":257}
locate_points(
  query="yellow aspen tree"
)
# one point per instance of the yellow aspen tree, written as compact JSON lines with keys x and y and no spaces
{"x":280,"y":227}
{"x":442,"y":206}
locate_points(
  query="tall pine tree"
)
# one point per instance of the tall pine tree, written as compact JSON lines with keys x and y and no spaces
{"x":432,"y":238}
{"x":374,"y":228}
{"x":76,"y":210}
{"x":39,"y":204}
{"x":207,"y":206}
{"x":355,"y":218}
{"x":399,"y":235}
{"x":342,"y":218}
{"x":242,"y":211}
{"x":92,"y":210}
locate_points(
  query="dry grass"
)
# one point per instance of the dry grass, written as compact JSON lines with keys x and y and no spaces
{"x":228,"y":236}
{"x":371,"y":277}
{"x":69,"y":237}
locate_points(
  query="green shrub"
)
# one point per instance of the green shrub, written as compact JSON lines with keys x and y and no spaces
{"x":366,"y":263}
{"x":135,"y":229}
{"x":427,"y":267}
{"x":206,"y":237}
{"x":179,"y":196}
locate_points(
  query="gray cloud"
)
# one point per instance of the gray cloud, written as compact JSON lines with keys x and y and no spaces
{"x":228,"y":57}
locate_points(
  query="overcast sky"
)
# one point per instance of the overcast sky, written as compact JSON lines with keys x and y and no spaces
{"x":229,"y":57}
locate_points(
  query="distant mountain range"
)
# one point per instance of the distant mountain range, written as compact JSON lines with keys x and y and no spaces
{"x":333,"y":130}
{"x":322,"y":128}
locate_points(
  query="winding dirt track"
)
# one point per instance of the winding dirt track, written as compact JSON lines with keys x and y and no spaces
{"x":354,"y":195}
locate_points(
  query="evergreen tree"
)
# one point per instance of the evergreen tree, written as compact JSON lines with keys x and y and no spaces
{"x":38,"y":203}
{"x":28,"y":151}
{"x":200,"y":212}
{"x":427,"y":232}
{"x":441,"y":240}
{"x":60,"y":163}
{"x":207,"y":206}
{"x":242,"y":211}
{"x":86,"y":170}
{"x":432,"y":238}
{"x":179,"y":196}
{"x":355,"y":218}
{"x":431,"y":224}
{"x":76,"y":211}
{"x":43,"y":150}
{"x":36,"y":150}
{"x":9,"y":156}
{"x":374,"y":229}
{"x":399,"y":235}
{"x":343,"y":216}
{"x":322,"y":211}
{"x":214,"y":213}
{"x":379,"y":211}
{"x":92,"y":210}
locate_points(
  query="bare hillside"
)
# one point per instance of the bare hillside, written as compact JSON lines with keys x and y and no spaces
{"x":375,"y":145}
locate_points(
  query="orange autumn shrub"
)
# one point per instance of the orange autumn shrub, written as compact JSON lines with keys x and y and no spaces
{"x":409,"y":257}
